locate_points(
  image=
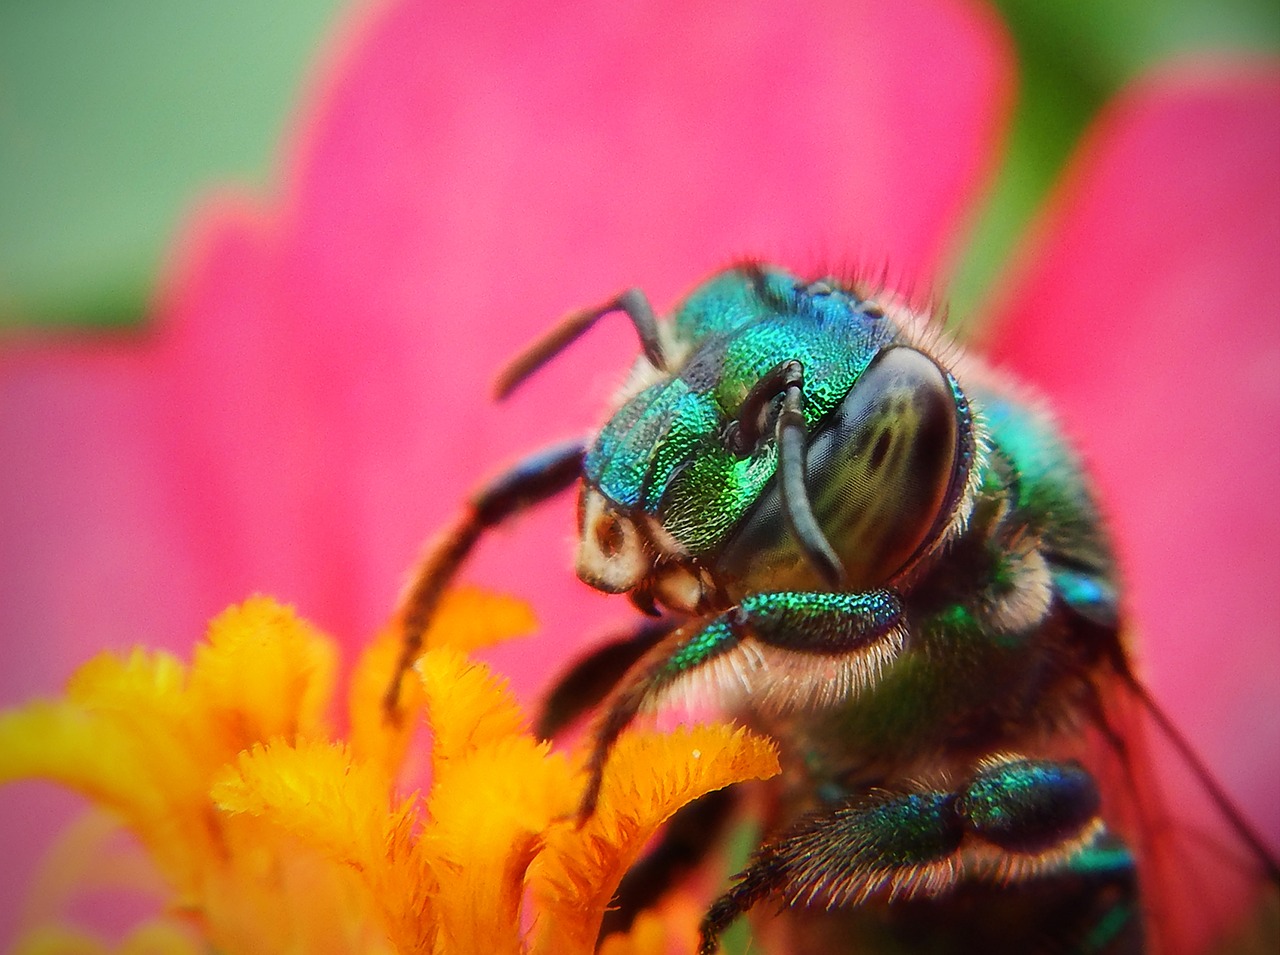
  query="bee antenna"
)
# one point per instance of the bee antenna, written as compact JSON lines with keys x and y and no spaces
{"x":632,"y":303}
{"x":1212,"y":788}
{"x":792,"y":441}
{"x":743,"y":433}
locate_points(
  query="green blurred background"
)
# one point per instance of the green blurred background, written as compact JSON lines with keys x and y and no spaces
{"x":115,"y":114}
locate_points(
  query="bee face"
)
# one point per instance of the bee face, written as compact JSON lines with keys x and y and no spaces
{"x":676,"y":504}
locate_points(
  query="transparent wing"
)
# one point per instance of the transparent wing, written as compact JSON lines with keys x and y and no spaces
{"x":1207,"y":886}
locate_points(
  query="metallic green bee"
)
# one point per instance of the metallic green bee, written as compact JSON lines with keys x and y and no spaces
{"x":886,"y":559}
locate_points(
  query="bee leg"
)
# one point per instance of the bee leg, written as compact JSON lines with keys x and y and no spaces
{"x":774,"y":647}
{"x":691,"y":832}
{"x":1014,"y":821}
{"x":688,"y":838}
{"x":591,"y":677}
{"x":533,"y":480}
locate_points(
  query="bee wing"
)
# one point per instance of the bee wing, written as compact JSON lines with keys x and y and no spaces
{"x":1205,"y":886}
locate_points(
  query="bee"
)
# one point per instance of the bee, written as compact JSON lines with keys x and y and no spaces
{"x":866,"y":544}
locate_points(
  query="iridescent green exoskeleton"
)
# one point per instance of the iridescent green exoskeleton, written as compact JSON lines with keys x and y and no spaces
{"x":881,"y":553}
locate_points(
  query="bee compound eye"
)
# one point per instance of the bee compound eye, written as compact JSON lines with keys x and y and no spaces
{"x":878,"y":471}
{"x":886,"y":468}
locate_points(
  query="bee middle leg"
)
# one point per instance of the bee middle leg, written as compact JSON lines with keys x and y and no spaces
{"x":768,"y":648}
{"x":692,"y":832}
{"x":798,"y":628}
{"x":1015,"y":822}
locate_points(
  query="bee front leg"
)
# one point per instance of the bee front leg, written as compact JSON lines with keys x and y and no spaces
{"x":692,"y":832}
{"x":1015,"y":821}
{"x":533,"y":480}
{"x":780,"y":650}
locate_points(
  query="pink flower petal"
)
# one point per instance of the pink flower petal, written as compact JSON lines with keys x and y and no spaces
{"x":313,"y":400}
{"x":1149,"y":317}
